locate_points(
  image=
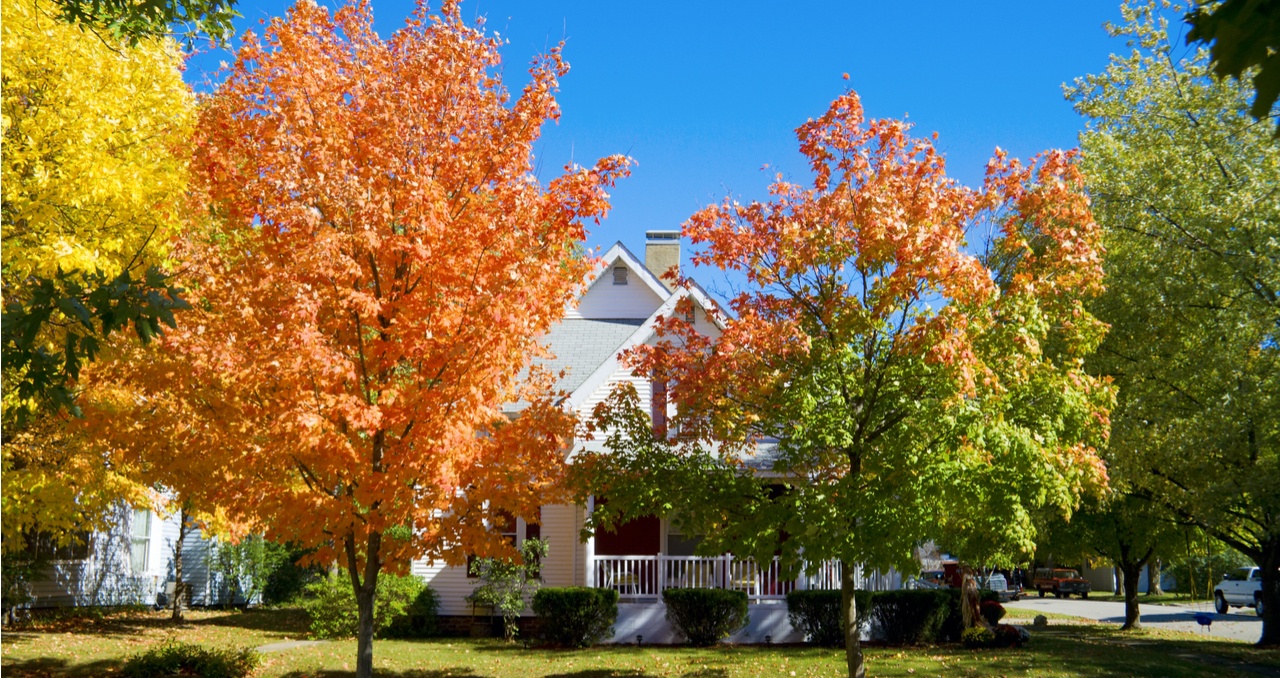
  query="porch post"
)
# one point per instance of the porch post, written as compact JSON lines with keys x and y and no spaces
{"x":662,"y":574}
{"x":590,"y":546}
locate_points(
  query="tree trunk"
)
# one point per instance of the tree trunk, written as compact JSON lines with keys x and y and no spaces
{"x":1270,"y":593}
{"x":852,"y":641}
{"x":366,"y":598}
{"x":1131,"y":571}
{"x":179,"y":588}
{"x":1153,"y":578}
{"x":1119,"y":577}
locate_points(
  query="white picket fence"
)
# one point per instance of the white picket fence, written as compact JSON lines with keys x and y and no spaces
{"x":636,"y":577}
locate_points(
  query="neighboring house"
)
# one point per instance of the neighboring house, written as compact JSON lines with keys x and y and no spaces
{"x":617,"y":310}
{"x":128,"y":564}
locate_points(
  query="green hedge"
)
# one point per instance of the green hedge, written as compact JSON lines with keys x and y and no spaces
{"x":704,"y":616}
{"x":911,"y":616}
{"x":817,"y":614}
{"x":173,"y":658}
{"x":576,"y":616}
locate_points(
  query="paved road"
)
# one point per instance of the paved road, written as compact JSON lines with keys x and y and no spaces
{"x":1241,"y":624}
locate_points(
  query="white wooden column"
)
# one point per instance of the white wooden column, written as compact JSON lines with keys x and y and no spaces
{"x":590,"y":547}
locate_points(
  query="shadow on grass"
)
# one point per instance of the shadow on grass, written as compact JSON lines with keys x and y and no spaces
{"x":132,"y":624}
{"x":46,"y":666}
{"x":463,"y":672}
{"x":283,"y":620}
{"x":17,"y":638}
{"x":455,"y":672}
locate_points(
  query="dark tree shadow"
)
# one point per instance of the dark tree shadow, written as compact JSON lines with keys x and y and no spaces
{"x":454,"y":672}
{"x":291,"y":621}
{"x":47,"y":666}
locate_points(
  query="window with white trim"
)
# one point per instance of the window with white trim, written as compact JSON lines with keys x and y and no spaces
{"x":140,"y":542}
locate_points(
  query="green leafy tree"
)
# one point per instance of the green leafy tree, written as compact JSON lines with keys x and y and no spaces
{"x":887,"y":380}
{"x":1187,"y":187}
{"x":134,"y":20}
{"x":1127,"y":530}
{"x":506,"y":584}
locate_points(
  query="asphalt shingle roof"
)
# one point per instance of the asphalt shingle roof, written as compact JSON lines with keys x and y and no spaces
{"x":581,"y":345}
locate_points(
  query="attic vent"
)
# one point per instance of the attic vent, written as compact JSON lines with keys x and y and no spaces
{"x":620,"y":275}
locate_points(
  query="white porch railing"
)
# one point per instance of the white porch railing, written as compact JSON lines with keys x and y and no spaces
{"x":648,"y":576}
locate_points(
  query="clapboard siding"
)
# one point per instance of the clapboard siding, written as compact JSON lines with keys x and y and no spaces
{"x":620,"y":375}
{"x":104,"y":577}
{"x":607,"y":300}
{"x":196,"y":554}
{"x":450,"y":583}
{"x":560,"y":527}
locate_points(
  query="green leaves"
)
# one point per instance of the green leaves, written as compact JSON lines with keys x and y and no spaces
{"x":133,"y":20}
{"x":89,"y":309}
{"x":1243,"y":35}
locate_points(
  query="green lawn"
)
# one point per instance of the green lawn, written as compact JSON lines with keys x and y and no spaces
{"x":89,"y":648}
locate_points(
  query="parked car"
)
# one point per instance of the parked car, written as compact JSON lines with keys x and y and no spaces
{"x":1241,"y":588}
{"x":998,"y":584}
{"x":1060,"y":582}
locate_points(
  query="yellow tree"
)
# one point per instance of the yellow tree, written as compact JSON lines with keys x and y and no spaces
{"x":382,"y":264}
{"x":93,"y":177}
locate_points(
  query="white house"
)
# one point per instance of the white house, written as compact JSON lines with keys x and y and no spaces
{"x":617,"y":310}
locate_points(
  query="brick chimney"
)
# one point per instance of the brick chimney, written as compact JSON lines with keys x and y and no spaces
{"x":662,"y":253}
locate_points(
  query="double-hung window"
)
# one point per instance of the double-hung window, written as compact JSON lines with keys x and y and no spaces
{"x":140,"y":542}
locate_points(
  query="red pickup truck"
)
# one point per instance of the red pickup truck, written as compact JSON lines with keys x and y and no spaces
{"x":1060,"y":582}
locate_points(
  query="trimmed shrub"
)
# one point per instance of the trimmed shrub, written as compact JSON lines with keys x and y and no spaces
{"x":419,"y":618}
{"x":704,"y":616}
{"x":172,"y":658}
{"x":991,"y":611}
{"x":910,"y":616}
{"x":817,"y":614}
{"x":576,"y":616}
{"x":978,"y":637}
{"x":332,"y":604}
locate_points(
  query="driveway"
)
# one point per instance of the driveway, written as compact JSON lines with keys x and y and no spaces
{"x":1241,"y":624}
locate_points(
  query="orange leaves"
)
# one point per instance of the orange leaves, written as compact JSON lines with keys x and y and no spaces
{"x":381,"y":265}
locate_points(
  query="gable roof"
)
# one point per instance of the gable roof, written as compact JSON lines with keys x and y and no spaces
{"x":620,"y":251}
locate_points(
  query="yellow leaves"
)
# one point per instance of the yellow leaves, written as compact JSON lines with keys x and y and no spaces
{"x":93,"y":168}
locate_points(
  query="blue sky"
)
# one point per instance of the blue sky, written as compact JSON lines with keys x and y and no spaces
{"x":703,"y":94}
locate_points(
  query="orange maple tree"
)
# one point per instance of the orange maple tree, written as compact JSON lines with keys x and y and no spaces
{"x":896,"y":382}
{"x":378,"y":265}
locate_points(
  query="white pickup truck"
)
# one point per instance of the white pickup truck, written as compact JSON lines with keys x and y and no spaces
{"x":1241,"y":588}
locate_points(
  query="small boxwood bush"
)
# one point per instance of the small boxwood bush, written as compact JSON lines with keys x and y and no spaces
{"x":817,"y":614}
{"x":576,"y":616}
{"x":978,"y":637}
{"x":704,"y":616}
{"x":172,"y":658}
{"x":992,"y":611}
{"x":332,"y":604}
{"x":910,"y":616}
